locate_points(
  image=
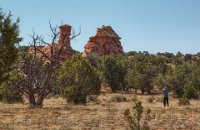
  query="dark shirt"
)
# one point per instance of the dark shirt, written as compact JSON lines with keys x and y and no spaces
{"x":165,"y":92}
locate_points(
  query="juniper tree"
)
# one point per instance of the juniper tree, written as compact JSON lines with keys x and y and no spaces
{"x":78,"y":79}
{"x":9,"y":38}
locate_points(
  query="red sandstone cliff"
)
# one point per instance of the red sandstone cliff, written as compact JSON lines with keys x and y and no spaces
{"x":106,"y":41}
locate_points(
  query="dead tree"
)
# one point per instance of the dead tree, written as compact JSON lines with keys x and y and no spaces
{"x":36,"y":67}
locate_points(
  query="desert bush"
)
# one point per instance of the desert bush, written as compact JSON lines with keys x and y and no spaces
{"x":8,"y":94}
{"x":118,"y":99}
{"x":11,"y":97}
{"x":78,"y":79}
{"x":150,"y":99}
{"x":189,"y":91}
{"x":134,"y":118}
{"x":183,"y":101}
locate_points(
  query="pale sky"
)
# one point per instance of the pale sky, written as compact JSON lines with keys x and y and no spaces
{"x":143,"y":25}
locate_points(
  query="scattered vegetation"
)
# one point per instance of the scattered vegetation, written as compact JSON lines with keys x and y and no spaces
{"x":22,"y":73}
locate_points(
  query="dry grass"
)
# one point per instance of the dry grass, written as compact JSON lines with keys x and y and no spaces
{"x":102,"y":115}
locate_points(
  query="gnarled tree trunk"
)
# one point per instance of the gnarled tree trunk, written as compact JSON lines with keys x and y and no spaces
{"x":31,"y":99}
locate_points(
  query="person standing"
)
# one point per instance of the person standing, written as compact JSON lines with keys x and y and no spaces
{"x":165,"y":96}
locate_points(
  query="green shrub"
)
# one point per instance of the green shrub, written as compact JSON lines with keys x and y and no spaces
{"x":183,"y":101}
{"x":7,"y":97}
{"x":113,"y":72}
{"x":118,"y":99}
{"x":190,"y":92}
{"x":78,"y":79}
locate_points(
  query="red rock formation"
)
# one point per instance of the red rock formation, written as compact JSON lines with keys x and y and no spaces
{"x":106,"y":41}
{"x":64,"y":41}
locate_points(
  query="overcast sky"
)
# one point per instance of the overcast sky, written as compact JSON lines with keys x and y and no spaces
{"x":143,"y":25}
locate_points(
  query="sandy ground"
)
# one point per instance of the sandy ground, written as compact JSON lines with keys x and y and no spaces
{"x":101,"y":115}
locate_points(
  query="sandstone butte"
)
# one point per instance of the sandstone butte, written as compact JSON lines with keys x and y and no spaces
{"x":105,"y":42}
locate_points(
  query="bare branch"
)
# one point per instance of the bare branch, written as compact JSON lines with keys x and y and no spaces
{"x":75,"y":35}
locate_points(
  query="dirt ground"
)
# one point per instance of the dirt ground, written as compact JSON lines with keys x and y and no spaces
{"x":104,"y":114}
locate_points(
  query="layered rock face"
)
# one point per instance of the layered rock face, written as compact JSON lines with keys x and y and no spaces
{"x":64,"y":43}
{"x":105,"y":42}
